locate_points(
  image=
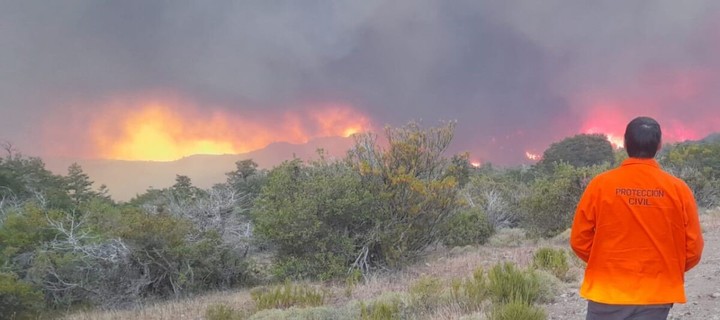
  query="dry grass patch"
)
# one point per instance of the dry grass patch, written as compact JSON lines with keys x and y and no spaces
{"x":192,"y":308}
{"x":710,"y":219}
{"x":508,"y":237}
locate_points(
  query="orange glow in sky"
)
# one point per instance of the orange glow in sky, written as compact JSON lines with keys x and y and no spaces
{"x":165,"y":130}
{"x":611,"y":118}
{"x":605,"y":119}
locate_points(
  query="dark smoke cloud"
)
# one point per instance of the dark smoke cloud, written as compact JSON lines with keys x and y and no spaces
{"x":513,"y":73}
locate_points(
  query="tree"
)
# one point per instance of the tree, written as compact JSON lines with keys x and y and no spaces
{"x":26,"y":179}
{"x":183,"y":189}
{"x":582,"y":150}
{"x":78,"y":184}
{"x":244,"y":169}
{"x":247,"y":179}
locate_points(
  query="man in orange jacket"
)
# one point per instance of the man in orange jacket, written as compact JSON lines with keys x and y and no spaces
{"x":637,"y":228}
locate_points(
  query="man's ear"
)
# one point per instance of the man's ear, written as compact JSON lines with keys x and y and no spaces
{"x":659,"y":146}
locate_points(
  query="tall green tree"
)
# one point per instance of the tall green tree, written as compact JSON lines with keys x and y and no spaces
{"x":78,"y":184}
{"x":582,"y":150}
{"x":247,"y":180}
{"x":244,"y":170}
{"x":184,"y":190}
{"x":27,"y":179}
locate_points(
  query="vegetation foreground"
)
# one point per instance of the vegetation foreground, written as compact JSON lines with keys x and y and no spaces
{"x":362,"y":237}
{"x":434,"y":278}
{"x":509,"y":278}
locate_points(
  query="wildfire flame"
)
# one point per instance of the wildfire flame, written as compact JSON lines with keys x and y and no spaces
{"x":532,"y":156}
{"x":169,"y":129}
{"x":615,"y":141}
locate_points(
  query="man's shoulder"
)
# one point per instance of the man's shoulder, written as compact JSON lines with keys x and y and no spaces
{"x":671,"y":178}
{"x":607,"y":175}
{"x":679,"y":183}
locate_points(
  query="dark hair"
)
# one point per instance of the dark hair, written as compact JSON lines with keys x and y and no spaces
{"x":642,"y":138}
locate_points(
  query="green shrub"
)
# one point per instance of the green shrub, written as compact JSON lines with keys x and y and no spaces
{"x":385,"y":307}
{"x":508,"y":283}
{"x":351,"y":281}
{"x":223,"y":312}
{"x":426,"y":292}
{"x":517,"y":310}
{"x":18,"y":300}
{"x":471,"y":292}
{"x":553,"y":260}
{"x":315,"y":216}
{"x":550,"y":286}
{"x":381,"y":207}
{"x":469,"y":226}
{"x":287,"y":295}
{"x":380,"y":311}
{"x":318,"y":265}
{"x":548,"y":210}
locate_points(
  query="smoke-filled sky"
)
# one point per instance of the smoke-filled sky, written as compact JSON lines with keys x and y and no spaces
{"x":136,"y":79}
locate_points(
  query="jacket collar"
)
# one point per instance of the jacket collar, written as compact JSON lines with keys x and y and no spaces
{"x":650,"y":162}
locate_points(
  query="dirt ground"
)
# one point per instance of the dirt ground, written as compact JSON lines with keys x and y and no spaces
{"x":702,"y":285}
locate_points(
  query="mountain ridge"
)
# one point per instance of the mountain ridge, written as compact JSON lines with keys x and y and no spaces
{"x":126,"y":179}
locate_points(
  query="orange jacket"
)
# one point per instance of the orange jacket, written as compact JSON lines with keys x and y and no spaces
{"x":637,"y":228}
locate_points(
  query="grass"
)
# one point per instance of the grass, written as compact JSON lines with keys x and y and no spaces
{"x":552,"y":260}
{"x":223,"y":312}
{"x":507,"y":283}
{"x":287,"y":295}
{"x":517,"y":310}
{"x":470,"y":293}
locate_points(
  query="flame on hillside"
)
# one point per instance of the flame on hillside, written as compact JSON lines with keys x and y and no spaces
{"x":164,"y":130}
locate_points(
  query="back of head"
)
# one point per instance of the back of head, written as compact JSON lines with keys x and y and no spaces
{"x":642,"y":138}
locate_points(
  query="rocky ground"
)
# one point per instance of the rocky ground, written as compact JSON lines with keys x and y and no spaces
{"x":702,"y":285}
